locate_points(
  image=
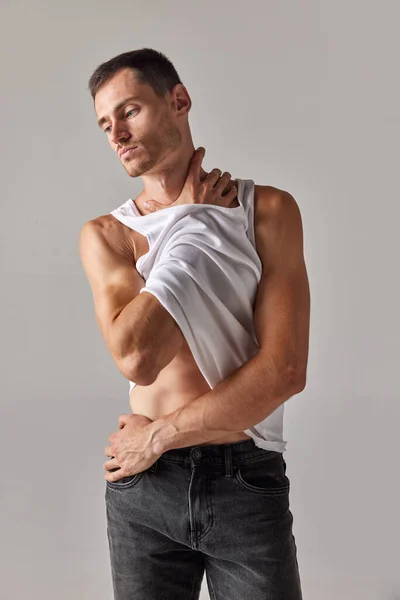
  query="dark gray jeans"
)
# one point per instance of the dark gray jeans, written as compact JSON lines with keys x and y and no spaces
{"x":222,"y":509}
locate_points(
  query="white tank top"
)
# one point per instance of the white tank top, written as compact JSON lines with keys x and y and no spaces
{"x":203,"y":267}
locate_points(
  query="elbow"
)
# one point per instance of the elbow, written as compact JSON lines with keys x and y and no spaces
{"x":139,"y":370}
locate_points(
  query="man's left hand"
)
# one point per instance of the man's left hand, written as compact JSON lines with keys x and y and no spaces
{"x":131,"y":449}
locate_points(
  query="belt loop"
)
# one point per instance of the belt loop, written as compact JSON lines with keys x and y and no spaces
{"x":228,"y":460}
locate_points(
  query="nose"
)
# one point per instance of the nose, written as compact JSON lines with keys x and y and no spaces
{"x":118,"y":133}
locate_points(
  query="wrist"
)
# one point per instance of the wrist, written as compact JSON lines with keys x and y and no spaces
{"x":163,"y":432}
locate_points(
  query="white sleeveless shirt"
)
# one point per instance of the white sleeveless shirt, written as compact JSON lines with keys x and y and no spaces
{"x":203,"y":267}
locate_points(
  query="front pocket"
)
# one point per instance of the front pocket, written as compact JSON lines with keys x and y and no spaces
{"x":264,"y":476}
{"x":125,"y":482}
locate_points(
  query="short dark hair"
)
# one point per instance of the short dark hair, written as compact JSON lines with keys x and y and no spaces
{"x":149,"y":66}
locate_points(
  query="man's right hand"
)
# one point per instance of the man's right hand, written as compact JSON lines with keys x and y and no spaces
{"x":208,"y":191}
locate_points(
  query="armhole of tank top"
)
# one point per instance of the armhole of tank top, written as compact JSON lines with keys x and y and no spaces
{"x":135,"y":208}
{"x":248,"y":204}
{"x":148,"y":235}
{"x":117,"y":211}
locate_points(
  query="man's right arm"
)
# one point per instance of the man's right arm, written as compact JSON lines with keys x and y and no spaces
{"x":140,"y":333}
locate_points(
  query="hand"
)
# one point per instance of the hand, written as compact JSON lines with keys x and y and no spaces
{"x":131,"y":449}
{"x":207,"y":191}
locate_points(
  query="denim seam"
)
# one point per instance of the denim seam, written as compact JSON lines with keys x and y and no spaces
{"x":210,"y":513}
{"x":272,"y":492}
{"x":211,"y":590}
{"x":194,"y":594}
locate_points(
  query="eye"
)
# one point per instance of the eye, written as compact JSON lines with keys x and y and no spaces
{"x":107,"y":129}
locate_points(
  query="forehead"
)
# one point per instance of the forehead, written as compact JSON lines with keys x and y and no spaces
{"x":121,"y":86}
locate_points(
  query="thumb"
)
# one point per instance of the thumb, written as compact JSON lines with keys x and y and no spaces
{"x":152,"y":205}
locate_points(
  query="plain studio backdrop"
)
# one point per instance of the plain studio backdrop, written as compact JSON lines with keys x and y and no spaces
{"x":303,"y":96}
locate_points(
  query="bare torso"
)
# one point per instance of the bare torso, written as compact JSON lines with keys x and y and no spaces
{"x":180,"y":381}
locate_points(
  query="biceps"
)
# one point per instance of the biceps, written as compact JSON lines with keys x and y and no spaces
{"x":282,"y":317}
{"x":113,"y":278}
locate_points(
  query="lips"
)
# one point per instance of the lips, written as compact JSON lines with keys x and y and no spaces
{"x":126,"y":150}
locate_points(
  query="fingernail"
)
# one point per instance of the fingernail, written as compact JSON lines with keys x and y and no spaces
{"x":147,"y":204}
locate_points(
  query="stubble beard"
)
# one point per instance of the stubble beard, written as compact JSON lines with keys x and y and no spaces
{"x":139,"y":165}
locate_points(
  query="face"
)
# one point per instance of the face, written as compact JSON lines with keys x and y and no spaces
{"x":147,"y":122}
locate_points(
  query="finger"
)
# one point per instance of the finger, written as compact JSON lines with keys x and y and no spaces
{"x":227,"y":199}
{"x":150,"y":206}
{"x":193,"y":176}
{"x":114,"y":475}
{"x":153,"y":206}
{"x":213,"y":178}
{"x":111,"y":465}
{"x":123,"y":419}
{"x":223,"y":183}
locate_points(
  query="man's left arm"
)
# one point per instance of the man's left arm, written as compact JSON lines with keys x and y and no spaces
{"x":281,"y":322}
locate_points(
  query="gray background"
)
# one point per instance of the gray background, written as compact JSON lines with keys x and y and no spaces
{"x":303,"y":96}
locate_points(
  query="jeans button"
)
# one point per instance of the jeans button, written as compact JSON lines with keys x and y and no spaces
{"x":196,"y":453}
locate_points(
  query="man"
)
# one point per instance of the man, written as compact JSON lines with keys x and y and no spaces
{"x":188,"y":490}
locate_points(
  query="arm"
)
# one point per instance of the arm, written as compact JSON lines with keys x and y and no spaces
{"x":139,"y":332}
{"x":281,"y":320}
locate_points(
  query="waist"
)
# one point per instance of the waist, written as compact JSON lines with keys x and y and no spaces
{"x":220,"y":456}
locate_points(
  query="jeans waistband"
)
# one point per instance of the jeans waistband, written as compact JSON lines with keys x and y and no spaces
{"x":214,"y":454}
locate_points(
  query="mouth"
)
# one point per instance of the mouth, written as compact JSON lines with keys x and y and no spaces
{"x":128,"y":152}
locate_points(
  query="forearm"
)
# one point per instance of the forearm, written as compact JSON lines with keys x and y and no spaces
{"x":243,"y":399}
{"x":145,"y":331}
{"x":149,"y":327}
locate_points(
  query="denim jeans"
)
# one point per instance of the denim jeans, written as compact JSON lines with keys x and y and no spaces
{"x":222,"y":509}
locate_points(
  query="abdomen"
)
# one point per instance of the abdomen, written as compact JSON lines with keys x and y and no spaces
{"x":178,"y":383}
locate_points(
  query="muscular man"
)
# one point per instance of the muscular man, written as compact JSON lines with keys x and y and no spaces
{"x":188,"y":490}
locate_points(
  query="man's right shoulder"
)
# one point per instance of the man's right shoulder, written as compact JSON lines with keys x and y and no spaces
{"x":95,"y":233}
{"x":103,"y":223}
{"x":114,"y":234}
{"x":106,"y":226}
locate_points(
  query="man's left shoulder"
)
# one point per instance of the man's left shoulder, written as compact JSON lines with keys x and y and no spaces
{"x":278,"y":226}
{"x":273,"y":202}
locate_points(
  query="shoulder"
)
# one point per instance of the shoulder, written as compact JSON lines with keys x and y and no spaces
{"x":272,"y":202}
{"x":107,"y":230}
{"x":104,"y":227}
{"x":105,"y":224}
{"x":278,"y":224}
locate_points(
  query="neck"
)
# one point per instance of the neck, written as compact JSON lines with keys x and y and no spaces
{"x":166,"y":184}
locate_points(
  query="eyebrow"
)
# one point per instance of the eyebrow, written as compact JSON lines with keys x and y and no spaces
{"x":117,"y":108}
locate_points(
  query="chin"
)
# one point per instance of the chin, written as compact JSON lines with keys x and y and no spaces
{"x":143,"y":168}
{"x":133,"y":172}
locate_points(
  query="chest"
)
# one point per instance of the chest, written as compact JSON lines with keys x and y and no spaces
{"x":140,"y":245}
